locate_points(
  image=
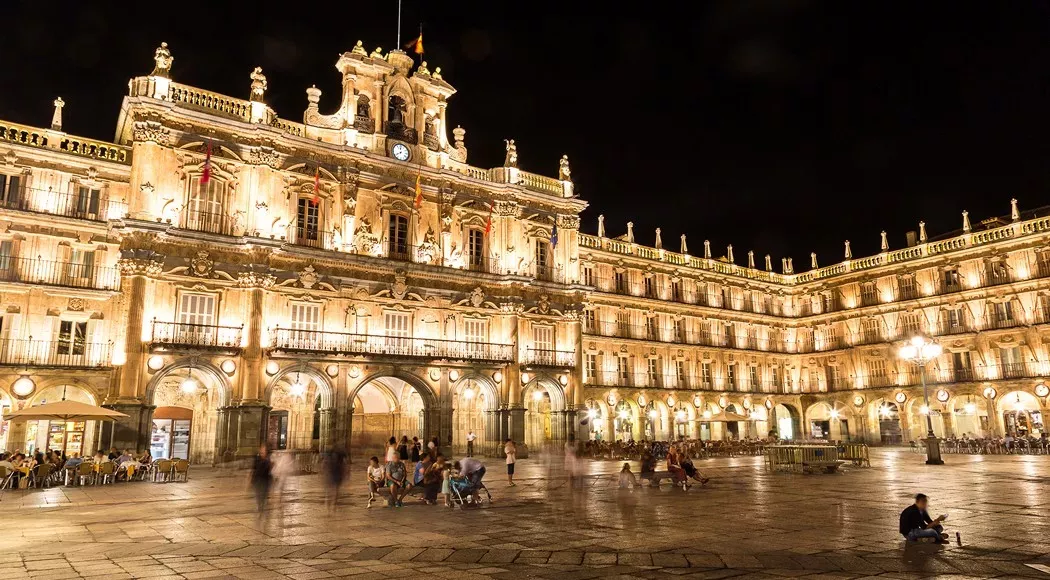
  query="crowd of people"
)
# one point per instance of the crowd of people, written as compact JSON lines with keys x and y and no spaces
{"x":1009,"y":444}
{"x":22,"y":469}
{"x":695,"y":448}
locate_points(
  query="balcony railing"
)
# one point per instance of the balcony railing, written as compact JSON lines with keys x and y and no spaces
{"x":208,"y":222}
{"x":311,"y":238}
{"x":93,"y":206}
{"x":51,"y":273}
{"x":54,"y":353}
{"x":549,"y":274}
{"x":550,"y":358}
{"x":196,"y":336}
{"x":317,"y":341}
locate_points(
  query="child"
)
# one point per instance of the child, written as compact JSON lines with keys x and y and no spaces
{"x":446,"y":475}
{"x":376,"y":478}
{"x":627,"y":478}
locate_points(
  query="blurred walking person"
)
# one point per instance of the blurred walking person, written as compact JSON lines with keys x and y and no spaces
{"x":262,"y":479}
{"x":334,"y":473}
{"x":511,"y":450}
{"x":283,"y":468}
{"x":470,"y":443}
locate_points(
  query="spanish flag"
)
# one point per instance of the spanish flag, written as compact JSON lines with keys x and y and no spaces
{"x":416,"y":45}
{"x":419,"y":193}
{"x":317,"y":186}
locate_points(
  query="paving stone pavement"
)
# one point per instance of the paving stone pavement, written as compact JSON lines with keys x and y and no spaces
{"x":746,"y":524}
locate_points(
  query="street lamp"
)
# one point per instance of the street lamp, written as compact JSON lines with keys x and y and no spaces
{"x":919,"y":352}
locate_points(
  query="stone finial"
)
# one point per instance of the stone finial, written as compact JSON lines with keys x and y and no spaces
{"x":313,"y":96}
{"x":784,"y":265}
{"x":729,"y":253}
{"x":630,"y":232}
{"x":966,"y":222}
{"x":458,"y":134}
{"x":659,"y":240}
{"x":685,"y":248}
{"x":791,"y":266}
{"x":564,"y":173}
{"x":813,"y":260}
{"x":1014,"y":213}
{"x":601,"y":226}
{"x":769,"y":263}
{"x":751,"y":259}
{"x":511,"y":160}
{"x":258,"y":84}
{"x":922,"y":232}
{"x":359,"y":48}
{"x":377,"y":53}
{"x":707,"y":249}
{"x":849,"y":252}
{"x":884,"y":244}
{"x":162,"y":60}
{"x":56,"y":119}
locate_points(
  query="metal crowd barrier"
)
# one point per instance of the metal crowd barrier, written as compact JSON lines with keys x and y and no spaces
{"x":794,"y":457}
{"x":855,"y":452}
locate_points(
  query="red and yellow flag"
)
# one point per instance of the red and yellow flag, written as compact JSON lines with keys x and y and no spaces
{"x":419,"y":193}
{"x":416,"y":45}
{"x":317,"y":186}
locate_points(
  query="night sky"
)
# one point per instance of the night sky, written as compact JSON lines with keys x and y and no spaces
{"x":783,"y":127}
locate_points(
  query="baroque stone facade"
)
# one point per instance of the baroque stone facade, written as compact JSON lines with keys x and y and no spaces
{"x":226,"y":277}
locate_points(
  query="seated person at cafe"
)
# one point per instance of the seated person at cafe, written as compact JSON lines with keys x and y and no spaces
{"x":73,"y":462}
{"x":145,"y":458}
{"x":916,"y":524}
{"x":100,"y":457}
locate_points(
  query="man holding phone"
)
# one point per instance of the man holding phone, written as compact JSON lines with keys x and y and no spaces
{"x":915,"y":523}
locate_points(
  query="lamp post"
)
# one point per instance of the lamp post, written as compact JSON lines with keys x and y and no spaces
{"x":921,"y":351}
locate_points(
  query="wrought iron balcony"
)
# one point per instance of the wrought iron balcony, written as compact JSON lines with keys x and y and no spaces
{"x":208,"y":222}
{"x":195,"y":336}
{"x":90,"y":205}
{"x":312,"y":238}
{"x":51,"y":273}
{"x":347,"y":343}
{"x":546,"y":357}
{"x":73,"y":353}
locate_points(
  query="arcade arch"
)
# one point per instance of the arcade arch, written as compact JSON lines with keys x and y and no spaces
{"x":301,"y":402}
{"x":542,"y":397}
{"x":385,"y":406}
{"x":186,"y":396}
{"x":1021,"y":414}
{"x":474,"y":397}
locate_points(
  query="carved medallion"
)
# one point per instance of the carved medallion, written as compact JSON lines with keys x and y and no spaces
{"x":201,"y":265}
{"x":399,"y":288}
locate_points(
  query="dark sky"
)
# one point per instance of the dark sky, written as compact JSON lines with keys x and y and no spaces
{"x":778,"y":126}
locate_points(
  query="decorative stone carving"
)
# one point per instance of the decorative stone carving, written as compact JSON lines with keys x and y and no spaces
{"x":364,"y":240}
{"x":10,"y":158}
{"x":76,"y":305}
{"x":400,"y":288}
{"x":477,"y":297}
{"x":564,"y":173}
{"x":429,"y":249}
{"x":265,"y":156}
{"x":507,"y":209}
{"x":201,"y":265}
{"x":544,"y":306}
{"x":140,"y":267}
{"x":162,"y":60}
{"x":308,"y":277}
{"x":151,"y":131}
{"x":258,"y":84}
{"x":568,"y":222}
{"x":252,"y":279}
{"x":511,"y":160}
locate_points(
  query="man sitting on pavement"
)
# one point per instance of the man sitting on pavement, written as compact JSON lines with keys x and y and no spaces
{"x":915,"y":523}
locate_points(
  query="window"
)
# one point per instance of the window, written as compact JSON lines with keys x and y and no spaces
{"x":876,"y":373}
{"x":306,"y":316}
{"x":588,"y":321}
{"x":650,"y":291}
{"x":676,"y":291}
{"x":1010,"y":363}
{"x":397,"y":330}
{"x":88,"y":201}
{"x":475,"y":249}
{"x":833,"y":377}
{"x":727,"y":298}
{"x":752,"y":337}
{"x":588,"y":276}
{"x":907,"y":287}
{"x":621,"y":282}
{"x":72,"y":337}
{"x":623,"y":323}
{"x":397,"y":237}
{"x":543,"y":342}
{"x":622,"y":370}
{"x":654,"y":372}
{"x":951,"y":279}
{"x":651,"y":328}
{"x":752,"y":377}
{"x":680,"y":374}
{"x":197,"y":309}
{"x":476,"y":333}
{"x":543,"y":261}
{"x":1003,"y":312}
{"x":997,"y":273}
{"x":954,"y":319}
{"x":774,"y":375}
{"x":7,"y":260}
{"x":676,"y":324}
{"x":10,"y":190}
{"x":590,"y":368}
{"x":731,"y":375}
{"x":911,"y":325}
{"x":81,"y":268}
{"x":307,"y":220}
{"x":961,"y":366}
{"x":868,"y":294}
{"x":873,"y":330}
{"x":206,"y":206}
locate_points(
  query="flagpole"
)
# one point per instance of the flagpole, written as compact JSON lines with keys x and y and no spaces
{"x":398,"y":23}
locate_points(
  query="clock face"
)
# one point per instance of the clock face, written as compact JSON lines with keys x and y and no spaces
{"x":401,"y":152}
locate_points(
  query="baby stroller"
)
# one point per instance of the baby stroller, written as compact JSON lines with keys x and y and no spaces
{"x":467,"y":489}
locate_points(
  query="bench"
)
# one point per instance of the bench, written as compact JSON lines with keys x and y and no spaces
{"x":826,"y":466}
{"x":654,"y":478}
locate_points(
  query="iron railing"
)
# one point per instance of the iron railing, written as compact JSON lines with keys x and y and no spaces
{"x":203,"y":336}
{"x":208,"y":222}
{"x":318,"y":341}
{"x":311,"y":238}
{"x":546,"y":357}
{"x":92,"y":205}
{"x":52,"y":273}
{"x":54,"y":353}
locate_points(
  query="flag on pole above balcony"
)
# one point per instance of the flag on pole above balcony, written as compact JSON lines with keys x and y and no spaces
{"x":554,"y":236}
{"x":488,"y":223}
{"x":416,"y":45}
{"x":206,"y":171}
{"x":419,"y":192}
{"x":317,"y":186}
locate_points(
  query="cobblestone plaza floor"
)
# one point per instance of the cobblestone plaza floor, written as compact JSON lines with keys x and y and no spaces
{"x":746,"y":524}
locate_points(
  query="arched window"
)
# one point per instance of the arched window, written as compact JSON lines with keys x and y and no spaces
{"x":206,"y":206}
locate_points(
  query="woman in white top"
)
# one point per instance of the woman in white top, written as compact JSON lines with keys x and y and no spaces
{"x":391,"y":450}
{"x":512,"y":451}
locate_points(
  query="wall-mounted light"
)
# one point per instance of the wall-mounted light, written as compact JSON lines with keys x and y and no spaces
{"x":155,"y":362}
{"x":653,"y":414}
{"x":228,"y":366}
{"x":537,"y":396}
{"x":835,"y":414}
{"x":468,"y":394}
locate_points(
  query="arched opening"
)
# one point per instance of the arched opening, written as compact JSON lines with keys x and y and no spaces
{"x":6,"y":406}
{"x":921,"y":416}
{"x":1022,"y":416}
{"x":710,"y":430}
{"x":471,"y":398}
{"x":829,"y":422}
{"x":733,"y":428}
{"x":598,"y":420}
{"x":385,"y":407}
{"x":785,"y":419}
{"x":628,"y":421}
{"x":759,"y":421}
{"x":543,"y":397}
{"x":970,"y":415}
{"x":683,"y":420}
{"x":187,"y":397}
{"x":67,"y":436}
{"x":889,"y":420}
{"x":297,"y":396}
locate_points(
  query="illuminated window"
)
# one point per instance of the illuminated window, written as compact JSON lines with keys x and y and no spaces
{"x":397,"y":237}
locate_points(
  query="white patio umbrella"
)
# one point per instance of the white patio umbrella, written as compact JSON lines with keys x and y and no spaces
{"x":64,"y":411}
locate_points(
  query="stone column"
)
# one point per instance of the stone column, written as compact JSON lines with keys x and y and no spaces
{"x":421,"y":119}
{"x":493,"y":432}
{"x":381,"y":105}
{"x":442,"y":133}
{"x":328,"y":430}
{"x":224,"y":441}
{"x":251,"y":356}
